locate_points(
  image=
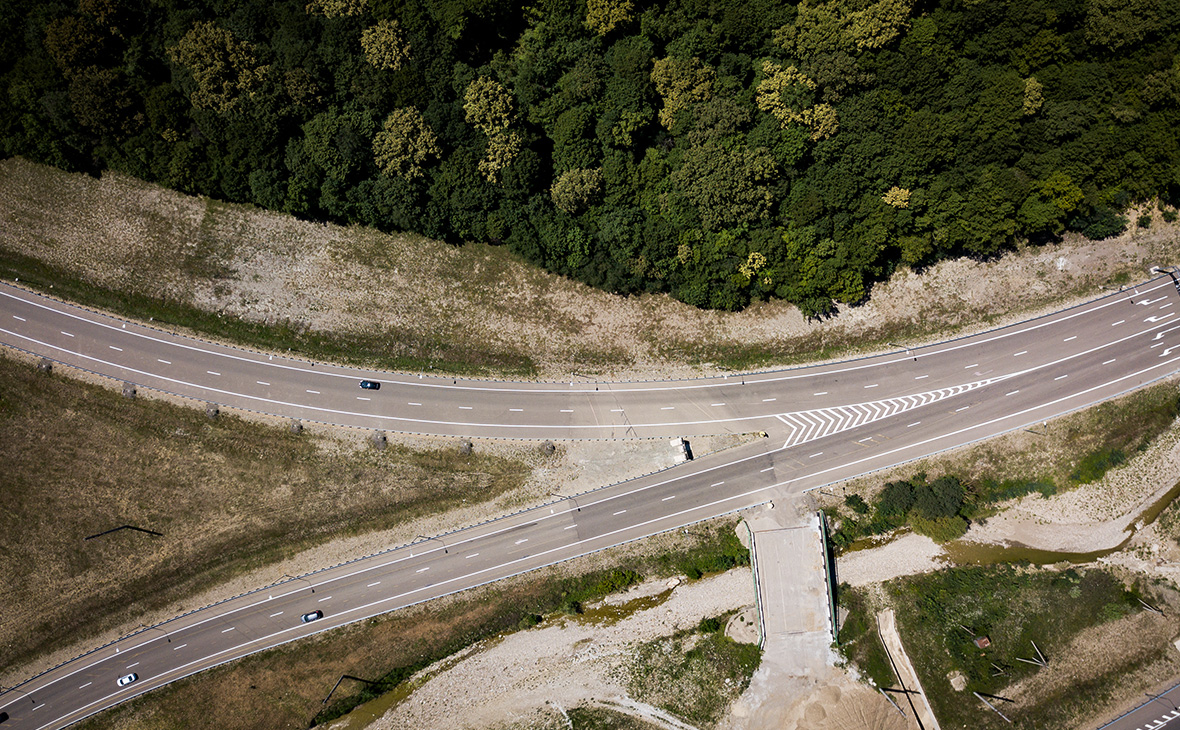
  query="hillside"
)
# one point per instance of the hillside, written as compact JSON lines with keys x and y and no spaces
{"x":724,"y":153}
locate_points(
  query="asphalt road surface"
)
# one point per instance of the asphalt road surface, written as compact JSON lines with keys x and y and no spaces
{"x":824,"y":424}
{"x":1159,"y":712}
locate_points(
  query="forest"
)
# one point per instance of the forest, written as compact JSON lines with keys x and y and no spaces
{"x":723,"y":152}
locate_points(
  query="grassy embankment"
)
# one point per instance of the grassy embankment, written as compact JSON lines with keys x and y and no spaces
{"x":380,"y":348}
{"x":228,"y":496}
{"x":941,"y":495}
{"x":283,"y":687}
{"x":163,"y":241}
{"x":940,"y":614}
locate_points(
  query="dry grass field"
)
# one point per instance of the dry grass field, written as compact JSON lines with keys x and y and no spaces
{"x":228,"y":495}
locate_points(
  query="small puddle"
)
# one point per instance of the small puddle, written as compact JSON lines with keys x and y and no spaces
{"x":368,"y":713}
{"x":977,"y":553}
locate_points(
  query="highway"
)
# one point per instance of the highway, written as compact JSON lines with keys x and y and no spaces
{"x":823,"y":423}
{"x":1158,"y":712}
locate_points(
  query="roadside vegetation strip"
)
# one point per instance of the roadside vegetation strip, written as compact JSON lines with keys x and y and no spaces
{"x":382,"y":348}
{"x":229,"y":496}
{"x":944,"y":615}
{"x":293,"y":679}
{"x":940,"y":496}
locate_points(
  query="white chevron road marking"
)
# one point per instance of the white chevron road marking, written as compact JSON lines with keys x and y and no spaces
{"x":819,"y":422}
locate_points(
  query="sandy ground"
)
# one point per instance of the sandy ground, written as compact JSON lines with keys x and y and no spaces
{"x":565,"y":662}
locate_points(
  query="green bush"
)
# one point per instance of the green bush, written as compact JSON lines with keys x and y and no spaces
{"x":1095,"y":464}
{"x":940,"y":529}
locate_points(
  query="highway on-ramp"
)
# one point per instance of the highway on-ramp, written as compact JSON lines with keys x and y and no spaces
{"x":824,"y":424}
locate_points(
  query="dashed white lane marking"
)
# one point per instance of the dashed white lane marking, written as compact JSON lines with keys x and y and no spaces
{"x":523,"y":539}
{"x":616,"y":410}
{"x":616,"y":514}
{"x":874,"y":385}
{"x":769,"y":400}
{"x":665,"y":499}
{"x":213,"y":372}
{"x":116,"y":349}
{"x":261,"y":382}
{"x":718,"y":484}
{"x":668,"y":408}
{"x":1116,"y":324}
{"x":178,"y":648}
{"x":67,"y":334}
{"x":361,"y":397}
{"x":325,"y":598}
{"x":915,"y":423}
{"x":86,"y":685}
{"x":422,"y":570}
{"x":38,"y":707}
{"x":464,"y":408}
{"x":962,"y":409}
{"x":280,"y":613}
{"x":1018,"y":354}
{"x":968,"y":367}
{"x":816,"y":454}
{"x":822,"y":392}
{"x":472,"y":555}
{"x":714,"y":405}
{"x":166,"y":362}
{"x":413,"y":404}
{"x":514,"y":410}
{"x":1061,"y":377}
{"x":1012,"y":393}
{"x":567,"y":410}
{"x":226,"y":631}
{"x":921,"y":376}
{"x":769,"y":468}
{"x":1109,"y":361}
{"x":374,"y":583}
{"x":20,"y":318}
{"x":1067,"y":339}
{"x":129,"y":666}
{"x":1165,"y":306}
{"x":314,"y":392}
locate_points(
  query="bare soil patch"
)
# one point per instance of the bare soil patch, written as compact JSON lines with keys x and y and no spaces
{"x":478,"y":305}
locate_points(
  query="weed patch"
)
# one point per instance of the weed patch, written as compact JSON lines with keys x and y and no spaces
{"x":859,"y":642}
{"x":941,"y":614}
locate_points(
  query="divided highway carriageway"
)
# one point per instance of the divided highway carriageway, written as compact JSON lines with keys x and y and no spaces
{"x":824,"y":424}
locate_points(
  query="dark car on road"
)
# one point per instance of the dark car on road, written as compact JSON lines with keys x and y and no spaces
{"x":370,"y":385}
{"x":309,"y":617}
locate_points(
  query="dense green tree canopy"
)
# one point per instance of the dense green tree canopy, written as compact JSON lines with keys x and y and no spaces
{"x":722,"y":152}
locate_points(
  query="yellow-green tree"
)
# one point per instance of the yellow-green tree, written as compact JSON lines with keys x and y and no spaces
{"x":404,"y":144}
{"x":385,"y":45}
{"x":682,"y":83}
{"x":488,"y":106}
{"x":577,"y":190}
{"x":603,"y":15}
{"x":1034,"y":95}
{"x":336,"y":8}
{"x":897,"y":197}
{"x":223,"y":66}
{"x":788,"y":94}
{"x":503,"y":147}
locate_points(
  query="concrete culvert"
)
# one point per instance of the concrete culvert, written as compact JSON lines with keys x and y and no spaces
{"x":465,"y":447}
{"x":45,"y":366}
{"x":211,"y":410}
{"x":379,"y":441}
{"x":128,"y":390}
{"x":296,"y":426}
